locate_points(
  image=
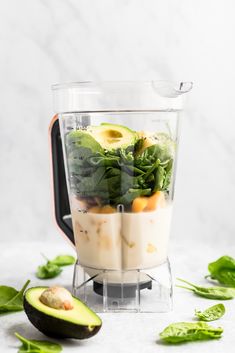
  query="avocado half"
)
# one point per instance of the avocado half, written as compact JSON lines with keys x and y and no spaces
{"x":112,"y":136}
{"x":80,"y":322}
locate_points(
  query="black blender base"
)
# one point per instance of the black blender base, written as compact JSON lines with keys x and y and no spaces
{"x":116,"y":290}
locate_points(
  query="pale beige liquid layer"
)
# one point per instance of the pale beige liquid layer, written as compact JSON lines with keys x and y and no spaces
{"x":122,"y":241}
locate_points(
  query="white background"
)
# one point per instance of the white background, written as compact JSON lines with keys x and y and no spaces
{"x":49,"y":41}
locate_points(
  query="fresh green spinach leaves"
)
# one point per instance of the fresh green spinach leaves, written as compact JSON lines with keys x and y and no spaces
{"x":63,"y":260}
{"x":35,"y":346}
{"x":119,"y":176}
{"x":221,"y":293}
{"x":10,"y":299}
{"x":53,"y":267}
{"x":223,"y":270}
{"x":48,"y":271}
{"x":214,"y":312}
{"x":189,"y":331}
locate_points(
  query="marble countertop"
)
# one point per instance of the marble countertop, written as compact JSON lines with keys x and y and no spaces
{"x":124,"y":333}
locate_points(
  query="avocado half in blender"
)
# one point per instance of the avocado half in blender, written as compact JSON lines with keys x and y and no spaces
{"x":72,"y":319}
{"x":112,"y":136}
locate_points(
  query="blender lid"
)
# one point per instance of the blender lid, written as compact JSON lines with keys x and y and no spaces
{"x":111,"y":96}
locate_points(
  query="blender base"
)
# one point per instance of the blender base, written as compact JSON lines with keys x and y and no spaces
{"x":148,"y":290}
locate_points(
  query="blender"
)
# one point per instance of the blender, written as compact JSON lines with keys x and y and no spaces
{"x":114,"y":149}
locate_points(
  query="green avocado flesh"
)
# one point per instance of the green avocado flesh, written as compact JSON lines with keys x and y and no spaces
{"x":80,"y":138}
{"x":79,"y":322}
{"x":112,"y":136}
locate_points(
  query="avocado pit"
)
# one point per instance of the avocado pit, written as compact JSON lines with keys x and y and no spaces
{"x":57,"y":298}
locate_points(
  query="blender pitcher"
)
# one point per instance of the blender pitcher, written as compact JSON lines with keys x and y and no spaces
{"x":114,"y":150}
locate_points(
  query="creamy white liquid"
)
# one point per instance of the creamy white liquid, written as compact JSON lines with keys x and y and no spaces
{"x":122,"y":241}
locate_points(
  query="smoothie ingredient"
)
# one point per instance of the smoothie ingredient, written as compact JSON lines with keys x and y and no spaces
{"x":102,"y":210}
{"x":80,"y":322}
{"x":221,"y":293}
{"x":111,"y":136}
{"x":10,"y":299}
{"x":53,"y":267}
{"x":57,"y":298}
{"x":223,"y":270}
{"x":121,"y":171}
{"x":34,"y":346}
{"x":151,"y":203}
{"x":139,"y":204}
{"x":80,"y":139}
{"x":155,"y":201}
{"x":48,"y":271}
{"x":189,"y":331}
{"x":215,"y":312}
{"x":63,"y":260}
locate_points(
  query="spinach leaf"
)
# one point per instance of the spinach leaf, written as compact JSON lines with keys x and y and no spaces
{"x":130,"y":195}
{"x":154,"y":152}
{"x":33,"y":346}
{"x":189,"y":331}
{"x":221,"y":293}
{"x":48,"y":271}
{"x":168,"y":175}
{"x":102,"y":160}
{"x":63,"y":260}
{"x":213,"y":313}
{"x":223,"y":270}
{"x":160,"y":175}
{"x":53,"y":267}
{"x":10,"y":299}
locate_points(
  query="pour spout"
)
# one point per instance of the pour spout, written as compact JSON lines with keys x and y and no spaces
{"x":185,"y":87}
{"x":171,"y":89}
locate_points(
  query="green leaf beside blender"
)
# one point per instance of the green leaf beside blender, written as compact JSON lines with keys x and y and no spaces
{"x":215,"y":292}
{"x":189,"y":331}
{"x":214,"y":312}
{"x":53,"y":267}
{"x":111,"y":165}
{"x":33,"y":346}
{"x":11,"y":300}
{"x":223,"y":270}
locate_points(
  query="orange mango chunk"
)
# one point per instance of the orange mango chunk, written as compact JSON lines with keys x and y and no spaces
{"x":139,"y":204}
{"x":94,"y":209}
{"x":102,"y":210}
{"x":155,"y":201}
{"x":107,"y":209}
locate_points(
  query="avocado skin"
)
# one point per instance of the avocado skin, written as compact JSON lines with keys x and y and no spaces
{"x":58,"y":328}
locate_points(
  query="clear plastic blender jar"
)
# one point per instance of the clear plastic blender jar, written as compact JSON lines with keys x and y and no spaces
{"x":120,"y":144}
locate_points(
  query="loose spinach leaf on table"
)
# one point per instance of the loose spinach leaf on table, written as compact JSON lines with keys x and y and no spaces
{"x":63,"y":260}
{"x":10,"y":299}
{"x":223,"y":270}
{"x":189,"y":331}
{"x":53,"y":267}
{"x":33,"y":346}
{"x":215,"y":312}
{"x":221,"y":293}
{"x":48,"y":271}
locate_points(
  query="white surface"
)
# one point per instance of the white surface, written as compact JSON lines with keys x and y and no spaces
{"x":121,"y":333}
{"x":49,"y":41}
